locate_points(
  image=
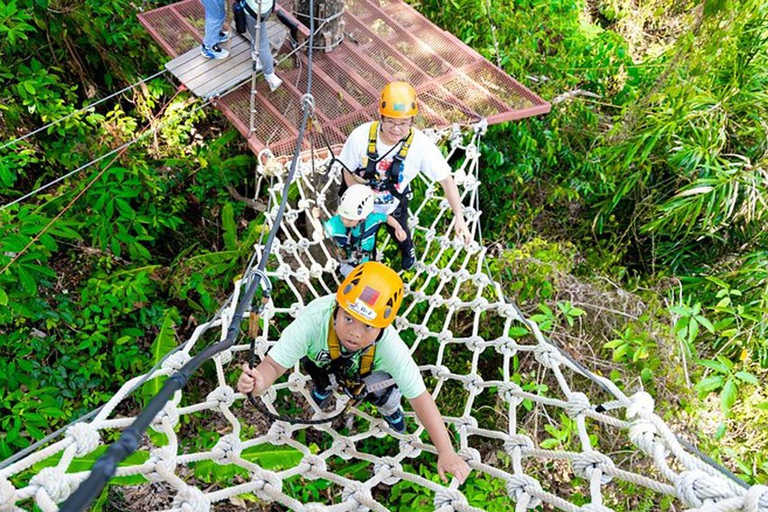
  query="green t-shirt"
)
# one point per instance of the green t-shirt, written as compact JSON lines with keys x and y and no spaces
{"x":351,"y":239}
{"x":308,"y":336}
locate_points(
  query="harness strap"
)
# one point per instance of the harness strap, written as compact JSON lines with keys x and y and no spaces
{"x":366,"y":359}
{"x":372,"y":158}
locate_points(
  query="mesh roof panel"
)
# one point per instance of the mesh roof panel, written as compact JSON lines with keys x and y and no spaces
{"x":386,"y":40}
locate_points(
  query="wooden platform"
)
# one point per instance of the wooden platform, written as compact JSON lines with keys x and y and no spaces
{"x":208,"y":78}
{"x":385,"y":40}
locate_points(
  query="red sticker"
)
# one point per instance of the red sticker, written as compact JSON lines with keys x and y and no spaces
{"x":369,"y":296}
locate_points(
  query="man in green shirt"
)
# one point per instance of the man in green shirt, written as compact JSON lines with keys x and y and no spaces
{"x":349,"y":338}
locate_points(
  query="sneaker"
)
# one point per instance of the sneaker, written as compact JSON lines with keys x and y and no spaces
{"x":321,"y":398}
{"x":273,"y":80}
{"x":223,"y":37}
{"x":408,"y":258}
{"x":396,"y":421}
{"x":214,"y":52}
{"x":255,"y":58}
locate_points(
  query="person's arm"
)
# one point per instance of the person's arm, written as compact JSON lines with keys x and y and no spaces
{"x":400,"y":233}
{"x":454,"y":199}
{"x":447,"y":458}
{"x":259,"y":379}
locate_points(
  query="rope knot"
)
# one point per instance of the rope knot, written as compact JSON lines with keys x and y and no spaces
{"x":755,"y":501}
{"x":509,"y":392}
{"x":444,"y":336}
{"x":279,"y":432}
{"x":270,"y":485}
{"x":470,"y":455}
{"x":316,"y":270}
{"x":227,"y":449}
{"x":697,"y":488}
{"x":507,"y":347}
{"x":7,"y":496}
{"x":408,"y":447}
{"x":587,"y":463}
{"x":479,"y":305}
{"x":169,"y":414}
{"x":578,"y":404}
{"x":523,"y":487}
{"x":163,"y":461}
{"x":644,"y":435}
{"x":465,"y":422}
{"x":344,"y":447}
{"x":223,"y":397}
{"x":450,"y":498}
{"x":176,"y":361}
{"x":518,"y":443}
{"x":315,"y":466}
{"x":361,"y":496}
{"x":386,"y":468}
{"x":55,"y":483}
{"x":641,"y":404}
{"x":441,"y":372}
{"x":191,"y":499}
{"x":508,"y":311}
{"x":473,"y":384}
{"x":86,"y":438}
{"x":546,"y":355}
{"x":475,"y":343}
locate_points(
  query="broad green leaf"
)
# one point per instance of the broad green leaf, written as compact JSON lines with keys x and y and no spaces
{"x":728,"y":395}
{"x":3,"y":298}
{"x":747,"y":377}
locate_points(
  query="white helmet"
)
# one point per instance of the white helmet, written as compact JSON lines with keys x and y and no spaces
{"x":357,"y":202}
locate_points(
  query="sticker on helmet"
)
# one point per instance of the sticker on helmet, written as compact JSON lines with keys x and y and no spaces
{"x":362,"y":310}
{"x":369,"y":296}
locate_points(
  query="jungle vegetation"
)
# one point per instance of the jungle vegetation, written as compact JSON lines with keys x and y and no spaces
{"x":638,"y":206}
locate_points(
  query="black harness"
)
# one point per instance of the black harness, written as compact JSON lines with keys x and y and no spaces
{"x":392,"y":178}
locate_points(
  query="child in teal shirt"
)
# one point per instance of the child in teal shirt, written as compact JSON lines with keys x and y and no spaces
{"x":355,"y":225}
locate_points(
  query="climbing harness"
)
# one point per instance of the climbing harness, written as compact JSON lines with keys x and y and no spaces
{"x":371,"y":160}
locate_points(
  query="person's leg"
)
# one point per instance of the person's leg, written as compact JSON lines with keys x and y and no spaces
{"x":407,"y":251}
{"x":321,"y":389}
{"x":215,"y":16}
{"x":250,"y":25}
{"x":386,"y":397}
{"x":265,"y":52}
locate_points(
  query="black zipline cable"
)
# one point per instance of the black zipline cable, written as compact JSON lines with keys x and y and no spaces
{"x":104,"y":468}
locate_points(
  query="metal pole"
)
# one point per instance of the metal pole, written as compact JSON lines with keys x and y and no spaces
{"x":256,"y":43}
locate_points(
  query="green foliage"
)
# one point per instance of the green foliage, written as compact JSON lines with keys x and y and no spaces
{"x":725,"y":379}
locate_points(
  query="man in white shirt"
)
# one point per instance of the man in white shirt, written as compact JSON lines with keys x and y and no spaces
{"x":387,"y":154}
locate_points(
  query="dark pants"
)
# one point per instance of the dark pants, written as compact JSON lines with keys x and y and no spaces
{"x":322,"y":382}
{"x":400,"y":215}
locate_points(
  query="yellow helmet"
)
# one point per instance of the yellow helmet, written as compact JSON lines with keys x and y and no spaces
{"x":398,"y":100}
{"x":372,"y":294}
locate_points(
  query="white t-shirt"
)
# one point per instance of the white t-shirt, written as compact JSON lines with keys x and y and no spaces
{"x":307,"y":336}
{"x":423,"y":157}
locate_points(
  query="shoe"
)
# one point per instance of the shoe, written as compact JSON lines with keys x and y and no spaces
{"x":273,"y":80}
{"x":396,"y":421}
{"x":255,"y":58}
{"x":223,"y":37}
{"x":408,"y":258}
{"x":214,"y":52}
{"x":321,"y":398}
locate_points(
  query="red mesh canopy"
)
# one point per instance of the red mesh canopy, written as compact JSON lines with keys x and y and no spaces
{"x":386,"y":40}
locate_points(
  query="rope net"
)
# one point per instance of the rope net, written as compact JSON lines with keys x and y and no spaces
{"x":483,"y":346}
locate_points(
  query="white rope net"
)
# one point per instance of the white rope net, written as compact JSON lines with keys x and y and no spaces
{"x":483,"y":345}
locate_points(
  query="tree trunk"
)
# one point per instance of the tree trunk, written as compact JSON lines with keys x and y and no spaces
{"x":330,"y":33}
